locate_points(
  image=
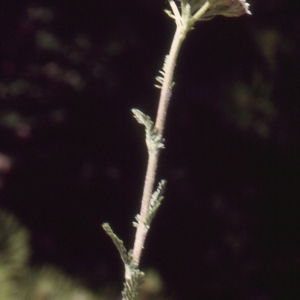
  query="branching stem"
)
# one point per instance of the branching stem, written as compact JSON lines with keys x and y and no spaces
{"x":185,"y":20}
{"x":183,"y":26}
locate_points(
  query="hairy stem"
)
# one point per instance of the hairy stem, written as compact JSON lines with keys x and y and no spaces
{"x":185,"y":20}
{"x":184,"y":24}
{"x":165,"y":95}
{"x":166,"y":90}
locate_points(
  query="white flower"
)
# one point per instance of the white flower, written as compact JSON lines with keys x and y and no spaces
{"x":227,"y":8}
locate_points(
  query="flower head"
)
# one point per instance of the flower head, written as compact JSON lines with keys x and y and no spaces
{"x":227,"y":8}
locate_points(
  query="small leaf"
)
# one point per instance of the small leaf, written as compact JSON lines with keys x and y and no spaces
{"x":119,"y":243}
{"x":155,"y":201}
{"x":154,"y":139}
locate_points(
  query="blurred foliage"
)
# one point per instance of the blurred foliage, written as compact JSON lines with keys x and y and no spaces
{"x":14,"y":256}
{"x":19,"y":281}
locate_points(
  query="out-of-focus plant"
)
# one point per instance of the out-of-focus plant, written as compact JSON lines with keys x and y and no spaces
{"x":14,"y":256}
{"x":20,"y":281}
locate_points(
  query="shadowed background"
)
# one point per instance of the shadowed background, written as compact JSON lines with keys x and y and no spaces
{"x":73,"y":157}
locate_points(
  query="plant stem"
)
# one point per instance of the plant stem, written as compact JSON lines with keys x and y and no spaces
{"x":166,"y":90}
{"x":185,"y":20}
{"x":164,"y":100}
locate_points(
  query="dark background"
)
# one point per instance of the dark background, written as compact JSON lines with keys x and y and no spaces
{"x":72,"y":156}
